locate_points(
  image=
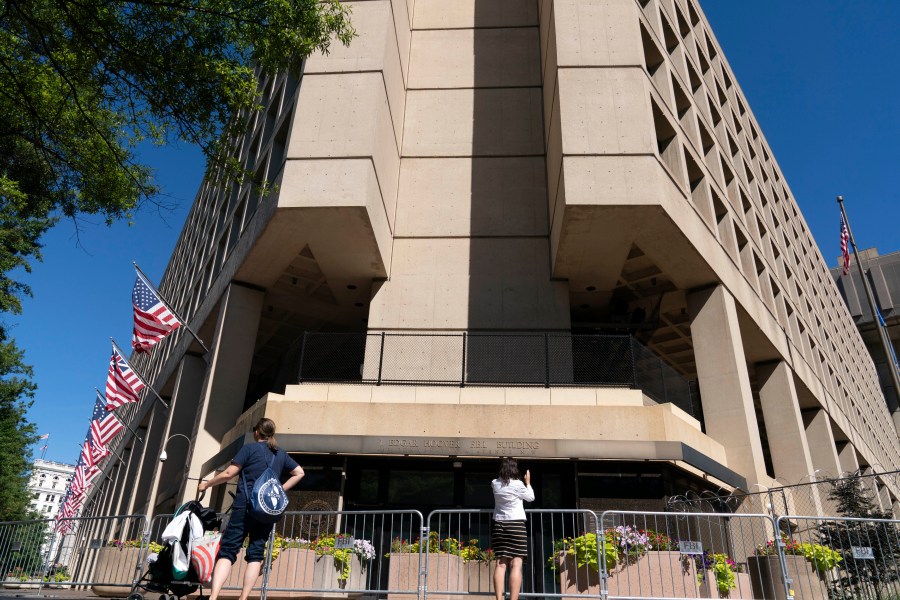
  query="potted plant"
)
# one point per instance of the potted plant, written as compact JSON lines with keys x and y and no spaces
{"x":717,"y":574}
{"x":806,"y":565}
{"x":345,"y":566}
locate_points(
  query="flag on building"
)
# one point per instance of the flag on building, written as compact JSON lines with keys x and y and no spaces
{"x":845,"y":245}
{"x":104,"y":425}
{"x":122,"y":383}
{"x":87,"y":456}
{"x":152,"y":318}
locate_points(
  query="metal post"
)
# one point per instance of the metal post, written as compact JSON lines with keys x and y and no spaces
{"x":423,"y":563}
{"x":546,"y":360}
{"x":662,"y":376}
{"x":634,"y":384}
{"x":462,"y":378}
{"x":380,"y":359}
{"x":302,"y":356}
{"x":267,"y":565}
{"x":882,"y":334}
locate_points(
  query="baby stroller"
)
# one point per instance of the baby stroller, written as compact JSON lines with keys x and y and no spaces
{"x":174,"y":572}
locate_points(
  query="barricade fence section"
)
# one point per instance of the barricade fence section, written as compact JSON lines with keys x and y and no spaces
{"x":399,"y":555}
{"x":103,"y":553}
{"x":680,"y":555}
{"x":346,"y":554}
{"x":24,"y":548}
{"x":841,"y":557}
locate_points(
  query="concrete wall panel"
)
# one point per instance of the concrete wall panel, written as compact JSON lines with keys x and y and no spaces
{"x":457,"y":14}
{"x":467,"y":58}
{"x":443,"y":123}
{"x":462,"y":197}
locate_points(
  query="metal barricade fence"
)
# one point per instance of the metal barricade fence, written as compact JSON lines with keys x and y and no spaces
{"x":25,"y":547}
{"x":346,"y":552}
{"x":679,"y":555}
{"x":841,"y":557}
{"x":459,"y":559}
{"x":105,"y":553}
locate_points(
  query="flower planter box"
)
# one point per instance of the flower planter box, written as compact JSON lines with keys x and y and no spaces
{"x":115,"y":571}
{"x":656,"y":574}
{"x":767,"y":579}
{"x":743,"y":589}
{"x":445,"y":574}
{"x":299,"y":573}
{"x":15,"y":583}
{"x":326,"y":578}
{"x":480,"y":576}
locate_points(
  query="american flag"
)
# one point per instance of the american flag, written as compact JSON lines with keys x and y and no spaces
{"x":122,"y":384}
{"x":152,"y":319}
{"x":845,"y":245}
{"x":87,"y":456}
{"x":104,"y":426}
{"x":84,"y":476}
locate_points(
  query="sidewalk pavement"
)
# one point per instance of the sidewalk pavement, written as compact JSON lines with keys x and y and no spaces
{"x":60,"y":594}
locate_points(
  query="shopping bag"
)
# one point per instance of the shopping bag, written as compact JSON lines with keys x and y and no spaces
{"x":203,"y":556}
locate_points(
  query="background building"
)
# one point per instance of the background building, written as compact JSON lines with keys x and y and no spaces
{"x":47,"y":486}
{"x":884,"y":281}
{"x":549,"y":229}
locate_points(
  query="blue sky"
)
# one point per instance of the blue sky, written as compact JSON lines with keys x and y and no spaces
{"x":820,"y":78}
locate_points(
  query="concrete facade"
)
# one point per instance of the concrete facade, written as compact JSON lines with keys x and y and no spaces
{"x":521,"y":167}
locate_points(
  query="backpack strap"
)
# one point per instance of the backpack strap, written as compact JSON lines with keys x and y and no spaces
{"x":244,"y":479}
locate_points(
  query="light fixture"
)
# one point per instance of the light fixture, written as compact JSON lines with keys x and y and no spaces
{"x":163,"y":456}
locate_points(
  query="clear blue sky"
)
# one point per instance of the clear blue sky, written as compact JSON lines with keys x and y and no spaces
{"x":821,"y":78}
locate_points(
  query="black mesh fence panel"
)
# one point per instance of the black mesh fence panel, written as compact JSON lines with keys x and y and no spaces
{"x":486,"y":359}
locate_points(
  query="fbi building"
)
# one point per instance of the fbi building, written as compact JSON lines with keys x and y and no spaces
{"x":550,"y":229}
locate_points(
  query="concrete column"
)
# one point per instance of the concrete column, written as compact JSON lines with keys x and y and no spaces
{"x":728,"y":409}
{"x":222,"y":399}
{"x":168,"y":476}
{"x":847,"y":457}
{"x":126,"y":489}
{"x":823,"y":451}
{"x":820,"y":438}
{"x":784,"y":425}
{"x":147,"y":457}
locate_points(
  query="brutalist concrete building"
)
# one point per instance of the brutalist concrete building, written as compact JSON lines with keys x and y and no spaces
{"x":545,"y":228}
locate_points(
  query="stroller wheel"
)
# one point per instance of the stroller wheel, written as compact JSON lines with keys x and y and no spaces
{"x":135,"y":596}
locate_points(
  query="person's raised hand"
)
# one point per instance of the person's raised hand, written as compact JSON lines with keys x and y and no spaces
{"x":527,"y":477}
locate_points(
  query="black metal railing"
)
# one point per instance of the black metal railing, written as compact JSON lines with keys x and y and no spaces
{"x":493,"y":359}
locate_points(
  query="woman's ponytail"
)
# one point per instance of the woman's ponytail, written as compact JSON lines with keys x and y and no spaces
{"x":265,"y":428}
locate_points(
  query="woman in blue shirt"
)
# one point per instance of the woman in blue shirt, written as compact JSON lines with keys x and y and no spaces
{"x":509,"y":536}
{"x":249,"y":463}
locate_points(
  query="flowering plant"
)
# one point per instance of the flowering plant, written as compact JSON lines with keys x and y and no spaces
{"x":724,"y":570}
{"x":341,"y":549}
{"x":622,"y":543}
{"x":823,"y":558}
{"x":117,"y":543}
{"x":465,"y":550}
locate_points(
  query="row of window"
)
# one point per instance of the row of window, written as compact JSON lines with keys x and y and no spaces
{"x":718,"y":156}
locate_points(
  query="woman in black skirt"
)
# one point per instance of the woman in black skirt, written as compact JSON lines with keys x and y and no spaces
{"x":509,"y":538}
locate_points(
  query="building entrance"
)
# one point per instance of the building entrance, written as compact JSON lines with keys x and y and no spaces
{"x":427,"y":484}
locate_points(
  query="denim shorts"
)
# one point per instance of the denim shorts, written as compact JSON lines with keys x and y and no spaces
{"x":239,"y":527}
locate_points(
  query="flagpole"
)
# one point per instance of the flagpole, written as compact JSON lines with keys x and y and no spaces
{"x":122,"y":421}
{"x":137,"y":374}
{"x":882,"y":334}
{"x":168,"y":306}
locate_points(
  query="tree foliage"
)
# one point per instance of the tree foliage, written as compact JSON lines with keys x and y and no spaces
{"x":83,"y":82}
{"x":16,"y":433}
{"x":860,"y":575}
